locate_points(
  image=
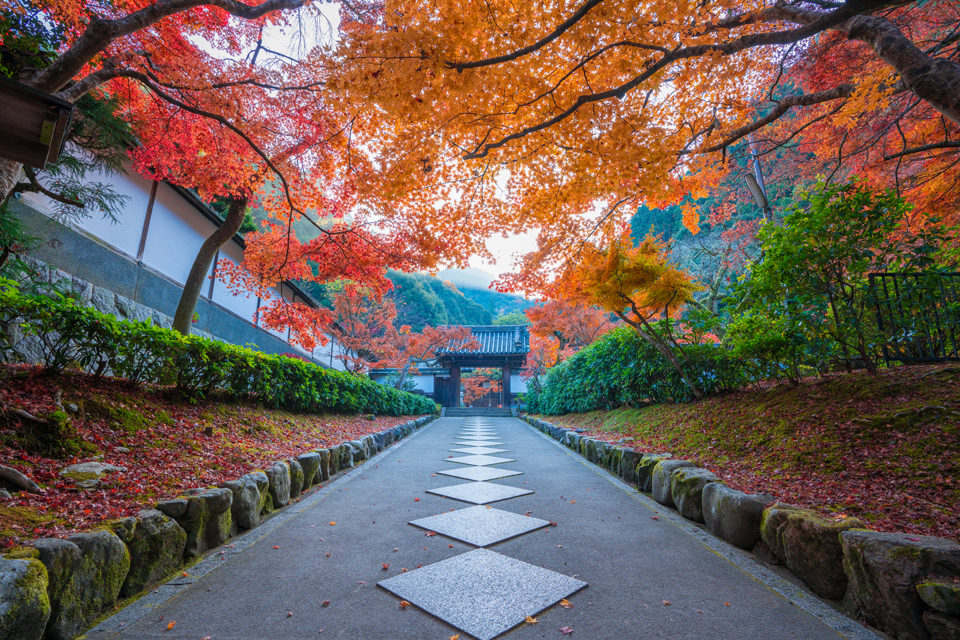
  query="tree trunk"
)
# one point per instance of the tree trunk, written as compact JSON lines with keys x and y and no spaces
{"x":201,"y":265}
{"x":936,"y":80}
{"x":666,"y":352}
{"x":10,"y":173}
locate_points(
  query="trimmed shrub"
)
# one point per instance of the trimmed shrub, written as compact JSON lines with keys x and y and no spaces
{"x":71,"y":335}
{"x":622,"y":368}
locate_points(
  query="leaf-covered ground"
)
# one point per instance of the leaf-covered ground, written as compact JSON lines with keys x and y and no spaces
{"x":885,"y":449}
{"x":165,"y":445}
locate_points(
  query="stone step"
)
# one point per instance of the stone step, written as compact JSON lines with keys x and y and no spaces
{"x":476,"y":411}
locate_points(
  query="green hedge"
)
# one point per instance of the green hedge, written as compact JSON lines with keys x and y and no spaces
{"x":622,"y":368}
{"x":71,"y":335}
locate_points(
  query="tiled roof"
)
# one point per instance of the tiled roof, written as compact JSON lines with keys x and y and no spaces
{"x":498,"y":340}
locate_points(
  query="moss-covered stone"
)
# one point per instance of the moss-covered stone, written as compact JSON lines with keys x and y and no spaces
{"x":325,"y":459}
{"x":310,"y":461}
{"x":207,"y":519}
{"x":85,"y":575}
{"x":660,"y":484}
{"x":733,"y":515}
{"x":296,"y":477}
{"x":941,"y":596}
{"x":883,"y":571}
{"x":279,"y":475}
{"x":686,"y":490}
{"x":24,"y":602}
{"x":155,"y":543}
{"x":812,"y":551}
{"x":643,"y":473}
{"x":247,"y":503}
{"x":628,"y":465}
{"x":772,"y":524}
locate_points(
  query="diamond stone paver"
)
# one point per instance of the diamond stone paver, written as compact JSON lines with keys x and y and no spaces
{"x":480,"y":526}
{"x":479,"y":474}
{"x":482,"y":592}
{"x":479,"y":492}
{"x":480,"y":460}
{"x":478,"y":450}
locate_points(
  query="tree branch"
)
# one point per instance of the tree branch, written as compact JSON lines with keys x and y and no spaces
{"x":945,"y":144}
{"x":101,"y":32}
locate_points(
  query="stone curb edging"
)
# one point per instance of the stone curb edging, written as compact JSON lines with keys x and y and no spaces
{"x":905,"y":585}
{"x":54,"y":588}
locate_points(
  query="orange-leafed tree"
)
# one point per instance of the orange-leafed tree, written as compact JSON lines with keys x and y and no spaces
{"x":360,"y":319}
{"x":573,"y":324}
{"x":405,"y":350}
{"x":544,"y":353}
{"x":640,"y":286}
{"x":561,"y":118}
{"x":479,"y":383}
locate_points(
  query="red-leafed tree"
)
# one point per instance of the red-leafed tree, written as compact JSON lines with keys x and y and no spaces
{"x":214,"y":109}
{"x":405,"y":350}
{"x":573,"y":324}
{"x":359,"y":320}
{"x":479,"y":383}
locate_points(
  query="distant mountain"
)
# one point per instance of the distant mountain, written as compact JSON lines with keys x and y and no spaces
{"x":475,"y":284}
{"x":426,"y":300}
{"x":469,"y":278}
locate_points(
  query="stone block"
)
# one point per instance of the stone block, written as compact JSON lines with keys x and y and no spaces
{"x":310,"y":462}
{"x":279,"y":476}
{"x":686,"y":490}
{"x":207,"y":520}
{"x":941,"y":626}
{"x":24,"y":603}
{"x":344,"y":456}
{"x":661,"y":481}
{"x":941,"y":596}
{"x":246,"y":505}
{"x":155,"y":543}
{"x":296,"y":477}
{"x":85,"y":575}
{"x":772,"y":523}
{"x":643,"y":473}
{"x":883,"y":571}
{"x":733,"y":515}
{"x":324,"y":472}
{"x":628,"y":465}
{"x":811,"y":550}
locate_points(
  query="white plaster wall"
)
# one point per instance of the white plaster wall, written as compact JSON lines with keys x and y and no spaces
{"x":517,"y":384}
{"x":242,"y":303}
{"x":424,"y":383}
{"x":124,"y":234}
{"x":177,"y":230}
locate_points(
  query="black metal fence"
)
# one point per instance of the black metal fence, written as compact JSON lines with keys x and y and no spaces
{"x":918,"y":315}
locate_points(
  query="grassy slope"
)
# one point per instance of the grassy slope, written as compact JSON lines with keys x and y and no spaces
{"x":171,"y":445}
{"x":885,"y":449}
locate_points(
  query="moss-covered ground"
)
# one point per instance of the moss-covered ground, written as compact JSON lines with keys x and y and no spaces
{"x":165,"y":444}
{"x":883,"y":448}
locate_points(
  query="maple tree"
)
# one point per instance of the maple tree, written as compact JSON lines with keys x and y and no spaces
{"x":573,"y":325}
{"x":358,"y":321}
{"x":641,"y":287}
{"x":404,"y":349}
{"x":562,"y":118}
{"x":214,"y":109}
{"x":480,"y":383}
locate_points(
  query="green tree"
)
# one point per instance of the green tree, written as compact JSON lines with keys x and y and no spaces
{"x":816,"y":263}
{"x":514,"y":317}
